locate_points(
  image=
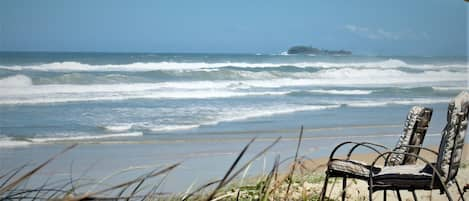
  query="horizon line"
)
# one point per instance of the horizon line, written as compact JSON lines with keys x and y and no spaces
{"x":213,"y":53}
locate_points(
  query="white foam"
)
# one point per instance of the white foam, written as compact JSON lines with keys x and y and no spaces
{"x":450,"y":88}
{"x":351,"y":76}
{"x":59,"y":93}
{"x":162,"y":128}
{"x":118,"y":127}
{"x":342,"y":92}
{"x":421,"y":101}
{"x":139,"y":66}
{"x":239,"y":114}
{"x":116,"y":96}
{"x":11,"y":143}
{"x":367,"y":104}
{"x":249,"y":113}
{"x":220,"y":115}
{"x":16,"y":81}
{"x":381,"y":103}
{"x":84,"y":137}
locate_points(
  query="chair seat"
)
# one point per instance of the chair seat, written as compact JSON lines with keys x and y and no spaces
{"x":405,"y":177}
{"x":350,"y":168}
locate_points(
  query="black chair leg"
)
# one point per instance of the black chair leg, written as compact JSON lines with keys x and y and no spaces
{"x":385,"y":195}
{"x":324,"y":188}
{"x":414,"y":195}
{"x":344,"y":186}
{"x":399,"y":195}
{"x":461,"y":192}
{"x":448,"y":195}
{"x":370,"y":192}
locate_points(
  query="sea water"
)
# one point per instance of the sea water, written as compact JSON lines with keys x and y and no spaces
{"x":131,"y":109}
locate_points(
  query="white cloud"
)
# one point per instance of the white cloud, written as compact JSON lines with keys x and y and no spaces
{"x":381,"y":34}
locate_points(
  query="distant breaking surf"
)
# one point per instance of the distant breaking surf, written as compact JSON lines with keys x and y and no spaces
{"x":152,"y":66}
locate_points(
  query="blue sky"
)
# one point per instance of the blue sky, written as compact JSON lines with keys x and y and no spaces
{"x":398,"y":27}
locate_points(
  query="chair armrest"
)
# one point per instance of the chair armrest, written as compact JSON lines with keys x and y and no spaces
{"x":420,"y":147}
{"x":364,"y":144}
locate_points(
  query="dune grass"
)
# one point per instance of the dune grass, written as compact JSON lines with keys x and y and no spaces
{"x":297,"y":183}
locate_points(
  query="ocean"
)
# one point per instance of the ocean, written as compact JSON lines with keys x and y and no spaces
{"x":137,"y":109}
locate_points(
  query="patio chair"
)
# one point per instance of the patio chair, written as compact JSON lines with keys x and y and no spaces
{"x":439,"y":175}
{"x":415,"y":128}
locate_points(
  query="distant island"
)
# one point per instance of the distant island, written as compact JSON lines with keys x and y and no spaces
{"x":316,"y":51}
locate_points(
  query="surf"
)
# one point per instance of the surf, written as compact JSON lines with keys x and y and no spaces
{"x":73,"y":66}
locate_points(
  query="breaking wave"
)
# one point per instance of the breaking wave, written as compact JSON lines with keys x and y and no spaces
{"x":450,"y":88}
{"x":84,"y":137}
{"x":381,"y":103}
{"x":16,"y":81}
{"x":8,"y":142}
{"x":245,"y":113}
{"x":168,"y":128}
{"x":118,"y":127}
{"x":341,"y":92}
{"x":152,"y":66}
{"x":19,"y":89}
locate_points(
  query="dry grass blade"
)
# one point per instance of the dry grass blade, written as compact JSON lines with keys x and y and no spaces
{"x":244,"y":175}
{"x":136,"y":188}
{"x":125,"y":184}
{"x":14,"y":172}
{"x":234,"y":175}
{"x":30,"y":173}
{"x":154,"y":189}
{"x":41,"y":187}
{"x":24,"y":193}
{"x":188,"y":190}
{"x":240,"y":155}
{"x":290,"y":175}
{"x":252,"y":159}
{"x":51,"y":197}
{"x":200,"y":188}
{"x":265,"y":192}
{"x":140,"y":184}
{"x":143,"y":178}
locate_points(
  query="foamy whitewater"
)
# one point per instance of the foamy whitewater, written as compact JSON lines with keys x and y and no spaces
{"x":101,"y":97}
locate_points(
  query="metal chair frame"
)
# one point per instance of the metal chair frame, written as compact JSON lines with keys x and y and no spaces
{"x":378,"y":148}
{"x":437,"y":182}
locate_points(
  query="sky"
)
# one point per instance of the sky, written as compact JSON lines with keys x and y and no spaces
{"x":369,"y":27}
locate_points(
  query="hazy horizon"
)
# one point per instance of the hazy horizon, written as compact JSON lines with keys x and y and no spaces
{"x":221,"y":53}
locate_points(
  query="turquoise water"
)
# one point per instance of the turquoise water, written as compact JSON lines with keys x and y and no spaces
{"x":134,"y":109}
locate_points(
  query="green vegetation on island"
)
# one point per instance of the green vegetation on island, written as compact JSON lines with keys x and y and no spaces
{"x":316,"y":51}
